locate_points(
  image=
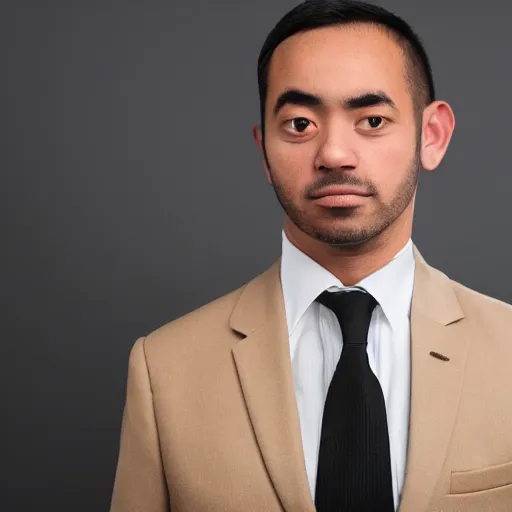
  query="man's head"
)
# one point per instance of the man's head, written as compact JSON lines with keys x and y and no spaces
{"x":347,"y":99}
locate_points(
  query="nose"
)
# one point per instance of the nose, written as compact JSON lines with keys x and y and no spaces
{"x":337,"y":150}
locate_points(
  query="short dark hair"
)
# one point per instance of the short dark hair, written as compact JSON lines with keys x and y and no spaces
{"x":313,"y":14}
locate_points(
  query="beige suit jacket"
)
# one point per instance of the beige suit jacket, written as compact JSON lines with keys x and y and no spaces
{"x":211,"y":422}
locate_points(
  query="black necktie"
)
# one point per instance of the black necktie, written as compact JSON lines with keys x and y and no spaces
{"x":354,"y":463}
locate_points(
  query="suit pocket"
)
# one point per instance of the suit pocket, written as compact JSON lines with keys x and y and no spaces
{"x":475,"y":480}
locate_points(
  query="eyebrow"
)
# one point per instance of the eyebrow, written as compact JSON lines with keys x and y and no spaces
{"x":305,"y":99}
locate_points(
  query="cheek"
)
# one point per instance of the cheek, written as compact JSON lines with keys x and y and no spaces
{"x":388,"y":163}
{"x":291,"y":164}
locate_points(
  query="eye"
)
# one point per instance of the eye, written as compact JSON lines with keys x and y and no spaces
{"x":299,"y":124}
{"x":374,"y":122}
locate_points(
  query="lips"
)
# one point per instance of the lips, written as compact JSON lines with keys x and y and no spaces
{"x":339,"y":190}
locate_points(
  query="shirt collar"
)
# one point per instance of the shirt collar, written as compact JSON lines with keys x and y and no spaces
{"x":303,"y":279}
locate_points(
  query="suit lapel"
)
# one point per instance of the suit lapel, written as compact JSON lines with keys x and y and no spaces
{"x":435,"y":384}
{"x":262,"y":360}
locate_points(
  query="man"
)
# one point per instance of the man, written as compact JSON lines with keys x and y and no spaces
{"x":351,"y":375}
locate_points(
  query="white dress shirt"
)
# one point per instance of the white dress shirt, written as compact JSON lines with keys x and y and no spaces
{"x":316,"y":342}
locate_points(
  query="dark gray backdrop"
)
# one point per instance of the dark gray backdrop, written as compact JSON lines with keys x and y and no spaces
{"x":134,"y":194}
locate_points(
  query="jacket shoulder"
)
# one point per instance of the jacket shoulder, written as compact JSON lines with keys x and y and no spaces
{"x":210,"y":320}
{"x":491,"y":313}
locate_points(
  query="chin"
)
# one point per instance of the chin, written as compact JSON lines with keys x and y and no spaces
{"x":339,"y":237}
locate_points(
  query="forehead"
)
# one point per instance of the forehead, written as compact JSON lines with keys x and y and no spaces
{"x":339,"y":61}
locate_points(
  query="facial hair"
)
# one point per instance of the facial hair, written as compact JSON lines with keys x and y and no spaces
{"x":338,"y":234}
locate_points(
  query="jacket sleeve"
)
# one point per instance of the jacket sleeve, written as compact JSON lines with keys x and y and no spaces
{"x":140,"y":484}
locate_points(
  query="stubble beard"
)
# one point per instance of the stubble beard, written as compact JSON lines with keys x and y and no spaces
{"x":337,"y":233}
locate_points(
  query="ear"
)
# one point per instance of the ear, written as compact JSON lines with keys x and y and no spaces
{"x":258,"y":137}
{"x":438,"y":125}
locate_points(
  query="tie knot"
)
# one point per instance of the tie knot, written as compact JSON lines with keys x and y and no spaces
{"x":354,"y":312}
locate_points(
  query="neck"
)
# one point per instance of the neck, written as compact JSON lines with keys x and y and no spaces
{"x":351,"y":264}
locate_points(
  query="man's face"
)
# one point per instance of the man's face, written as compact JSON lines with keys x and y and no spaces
{"x":359,"y":133}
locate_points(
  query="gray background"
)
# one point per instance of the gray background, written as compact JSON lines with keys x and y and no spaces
{"x":133,"y":193}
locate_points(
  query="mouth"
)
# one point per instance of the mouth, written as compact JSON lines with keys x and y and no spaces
{"x":339,"y":191}
{"x":340,"y":196}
